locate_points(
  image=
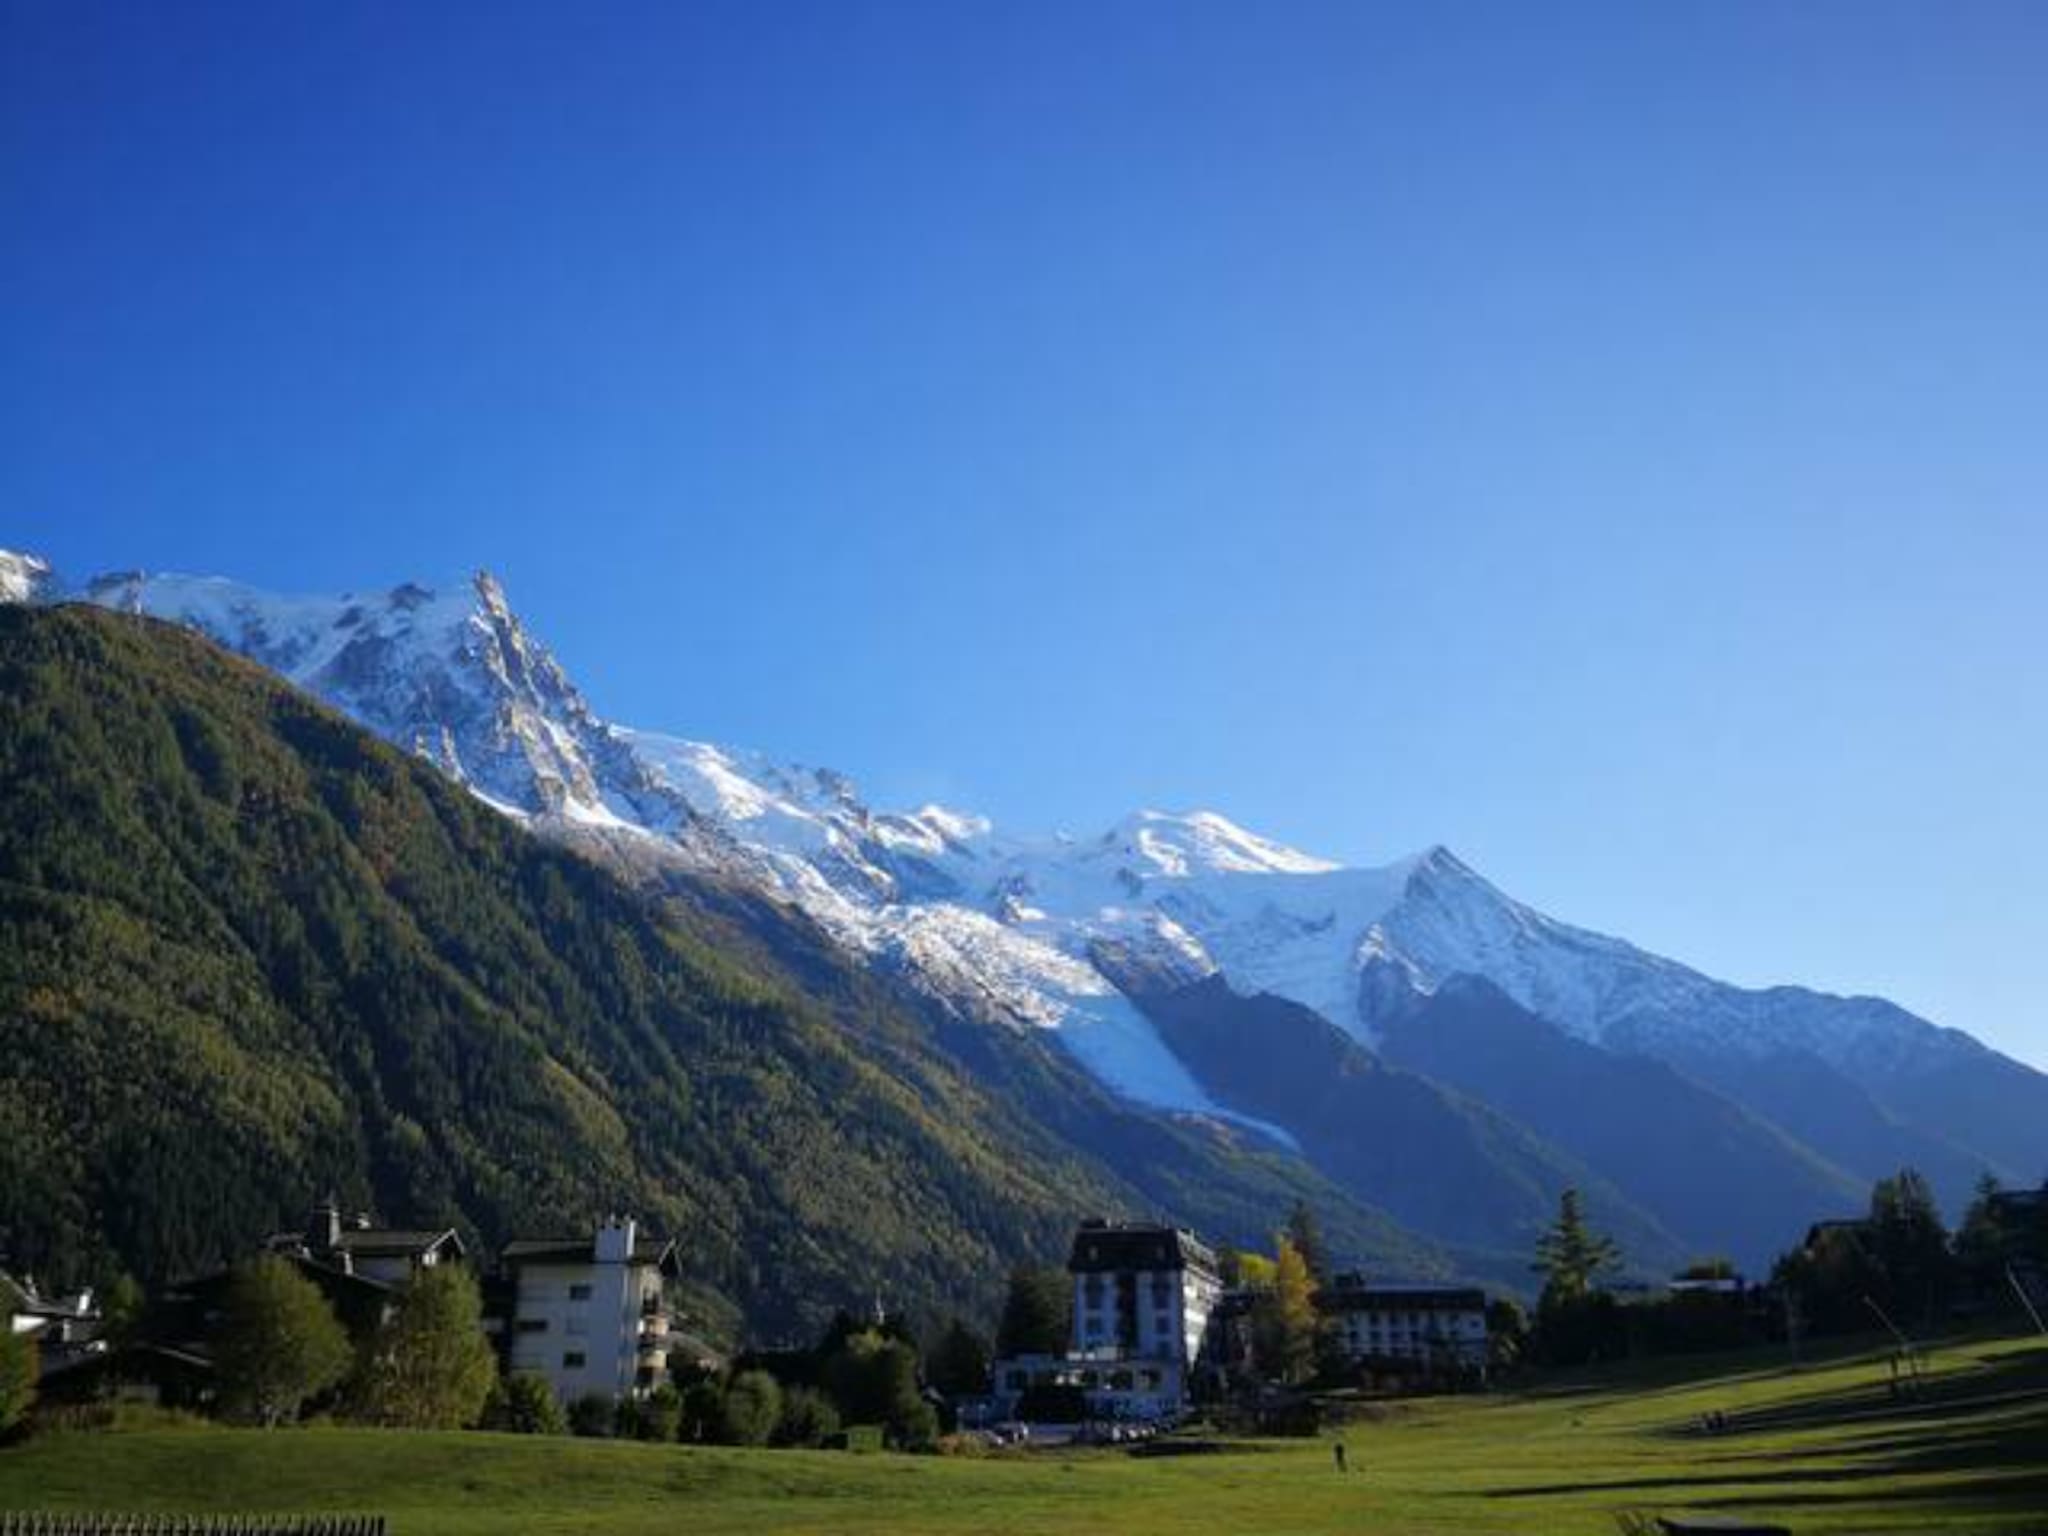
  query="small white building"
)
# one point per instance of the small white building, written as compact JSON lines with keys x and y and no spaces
{"x":591,"y":1315}
{"x":59,"y":1320}
{"x":1435,"y":1327}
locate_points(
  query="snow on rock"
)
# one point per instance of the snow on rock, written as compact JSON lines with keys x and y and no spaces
{"x":25,"y":578}
{"x":1018,"y":929}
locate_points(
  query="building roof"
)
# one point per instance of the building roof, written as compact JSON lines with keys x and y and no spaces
{"x":1104,"y":1246}
{"x":1352,"y":1293}
{"x":375,"y":1244}
{"x":659,"y":1251}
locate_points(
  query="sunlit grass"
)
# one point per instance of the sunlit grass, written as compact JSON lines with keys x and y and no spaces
{"x":1821,"y":1447}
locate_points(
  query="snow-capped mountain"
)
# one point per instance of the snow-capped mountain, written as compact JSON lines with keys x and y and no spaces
{"x":24,"y":578}
{"x":1035,"y":931}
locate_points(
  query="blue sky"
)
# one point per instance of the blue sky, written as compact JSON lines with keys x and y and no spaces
{"x":1609,"y":440}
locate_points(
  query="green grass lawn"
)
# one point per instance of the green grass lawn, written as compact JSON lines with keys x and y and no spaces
{"x":1820,"y":1448}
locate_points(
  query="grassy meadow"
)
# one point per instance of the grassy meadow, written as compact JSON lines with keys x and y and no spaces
{"x":1819,"y":1447}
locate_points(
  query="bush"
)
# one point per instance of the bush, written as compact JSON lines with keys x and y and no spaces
{"x":702,"y":1419}
{"x":592,"y":1416}
{"x":751,"y":1410}
{"x":808,"y":1418}
{"x":661,"y":1414}
{"x":524,"y":1404}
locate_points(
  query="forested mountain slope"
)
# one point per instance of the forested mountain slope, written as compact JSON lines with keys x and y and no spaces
{"x":248,"y":952}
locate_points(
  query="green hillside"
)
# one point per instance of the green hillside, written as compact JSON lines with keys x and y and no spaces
{"x":249,"y":953}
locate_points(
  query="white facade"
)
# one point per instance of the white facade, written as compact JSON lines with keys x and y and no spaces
{"x":1159,"y":1314}
{"x":1141,"y":1292}
{"x":590,"y":1318}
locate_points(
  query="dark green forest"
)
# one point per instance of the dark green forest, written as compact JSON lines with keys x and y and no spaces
{"x":248,"y":954}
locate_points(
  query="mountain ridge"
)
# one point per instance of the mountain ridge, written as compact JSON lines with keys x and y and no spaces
{"x":249,"y":952}
{"x":1013,"y":930}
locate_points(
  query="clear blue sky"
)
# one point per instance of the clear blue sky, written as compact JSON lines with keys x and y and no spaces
{"x":1610,"y":440}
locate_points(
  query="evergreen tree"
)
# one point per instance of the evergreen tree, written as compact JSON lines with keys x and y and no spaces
{"x":1037,"y":1313}
{"x":958,"y":1364}
{"x":121,"y":1308}
{"x":1571,"y":1256}
{"x":18,"y":1371}
{"x":1910,"y":1244}
{"x":279,"y":1343}
{"x":1980,"y":1244}
{"x":430,"y":1365}
{"x":1306,"y":1234}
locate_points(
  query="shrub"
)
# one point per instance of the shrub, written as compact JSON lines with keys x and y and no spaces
{"x":661,"y":1414}
{"x":808,"y":1418}
{"x":524,"y":1404}
{"x":592,"y":1416}
{"x":751,"y":1410}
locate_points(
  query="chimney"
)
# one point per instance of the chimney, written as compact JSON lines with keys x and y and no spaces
{"x":323,"y":1231}
{"x":615,"y":1236}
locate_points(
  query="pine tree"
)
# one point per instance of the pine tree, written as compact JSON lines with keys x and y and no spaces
{"x":1306,"y":1234}
{"x":431,"y":1367}
{"x":1909,"y":1242}
{"x":958,"y":1364}
{"x":279,"y":1342}
{"x":1571,"y":1256}
{"x":1037,"y":1313}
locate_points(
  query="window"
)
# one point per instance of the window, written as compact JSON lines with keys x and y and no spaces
{"x":533,"y":1325}
{"x":579,"y":1293}
{"x":572,"y":1360}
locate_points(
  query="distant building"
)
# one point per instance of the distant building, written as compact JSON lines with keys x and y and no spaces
{"x":590,"y":1314}
{"x":1399,"y":1329}
{"x":355,"y":1247}
{"x":59,"y":1321}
